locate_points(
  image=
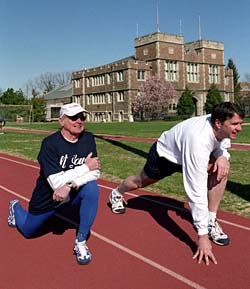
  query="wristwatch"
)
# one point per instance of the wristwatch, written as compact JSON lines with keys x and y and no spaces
{"x":69,"y":184}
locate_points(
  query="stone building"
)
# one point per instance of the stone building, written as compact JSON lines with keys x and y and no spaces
{"x":109,"y":90}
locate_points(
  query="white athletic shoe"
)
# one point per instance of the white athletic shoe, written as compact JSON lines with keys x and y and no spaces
{"x":82,"y":252}
{"x":117,"y":202}
{"x":11,"y":217}
{"x":216,"y":234}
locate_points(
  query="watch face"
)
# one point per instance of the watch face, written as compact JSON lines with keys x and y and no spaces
{"x":69,"y":184}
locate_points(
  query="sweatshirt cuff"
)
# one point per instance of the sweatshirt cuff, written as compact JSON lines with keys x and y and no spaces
{"x":202,"y":231}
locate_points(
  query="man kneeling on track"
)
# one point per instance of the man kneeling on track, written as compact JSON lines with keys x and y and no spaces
{"x":197,"y":147}
{"x":69,"y":169}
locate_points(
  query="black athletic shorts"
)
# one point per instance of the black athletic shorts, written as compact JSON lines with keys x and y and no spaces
{"x":157,"y":167}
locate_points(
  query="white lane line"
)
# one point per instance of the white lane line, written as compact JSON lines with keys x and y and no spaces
{"x":134,"y":195}
{"x":123,"y":248}
{"x":20,"y":163}
{"x":14,"y":193}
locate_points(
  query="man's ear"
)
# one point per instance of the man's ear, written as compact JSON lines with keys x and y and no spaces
{"x":218,"y":123}
{"x":61,"y":121}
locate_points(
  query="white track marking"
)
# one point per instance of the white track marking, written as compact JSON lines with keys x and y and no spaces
{"x":14,"y":193}
{"x":20,"y":163}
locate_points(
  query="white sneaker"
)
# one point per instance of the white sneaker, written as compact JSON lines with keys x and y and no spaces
{"x":82,"y":252}
{"x":117,"y":202}
{"x":216,"y":234}
{"x":11,"y":217}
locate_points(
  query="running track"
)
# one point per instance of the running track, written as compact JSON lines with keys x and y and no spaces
{"x":149,"y":247}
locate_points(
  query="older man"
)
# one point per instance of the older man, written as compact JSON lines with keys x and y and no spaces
{"x":69,"y":168}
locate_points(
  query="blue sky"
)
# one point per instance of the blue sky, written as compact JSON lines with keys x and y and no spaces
{"x":43,"y":36}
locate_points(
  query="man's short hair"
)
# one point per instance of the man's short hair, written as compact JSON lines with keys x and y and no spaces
{"x":226,"y":110}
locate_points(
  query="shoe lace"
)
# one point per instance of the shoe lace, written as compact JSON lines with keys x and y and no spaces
{"x":217,"y":228}
{"x":83,"y":249}
{"x":118,"y":200}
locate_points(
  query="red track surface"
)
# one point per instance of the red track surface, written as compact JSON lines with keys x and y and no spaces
{"x":149,"y":247}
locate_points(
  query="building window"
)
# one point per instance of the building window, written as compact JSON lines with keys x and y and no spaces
{"x":145,"y":51}
{"x":108,"y":78}
{"x":192,"y":72}
{"x":171,"y":50}
{"x":88,"y":99}
{"x":213,"y":73}
{"x":171,"y":70}
{"x":91,"y":81}
{"x":120,"y":96}
{"x":172,"y":107}
{"x":120,"y":75}
{"x":141,"y":74}
{"x":109,"y":98}
{"x":98,"y":80}
{"x":87,"y":82}
{"x":226,"y":97}
{"x":98,"y":98}
{"x":77,"y":83}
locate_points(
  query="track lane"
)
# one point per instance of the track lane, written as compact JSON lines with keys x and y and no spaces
{"x":122,"y":243}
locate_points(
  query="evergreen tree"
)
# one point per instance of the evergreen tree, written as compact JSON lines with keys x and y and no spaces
{"x":213,"y":98}
{"x":39,"y":109}
{"x":10,"y":96}
{"x":236,"y":78}
{"x":185,"y":104}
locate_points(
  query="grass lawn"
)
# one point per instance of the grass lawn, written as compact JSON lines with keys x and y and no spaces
{"x":122,"y":158}
{"x":151,"y":129}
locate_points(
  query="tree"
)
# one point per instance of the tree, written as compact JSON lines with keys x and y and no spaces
{"x":153,"y":98}
{"x":213,"y":98}
{"x":10,"y":96}
{"x":185,"y":104}
{"x":39,"y":109}
{"x":13,"y":105}
{"x":46,"y":82}
{"x":236,"y":77}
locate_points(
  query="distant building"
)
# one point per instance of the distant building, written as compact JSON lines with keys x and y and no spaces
{"x":55,"y":99}
{"x":108,"y":91}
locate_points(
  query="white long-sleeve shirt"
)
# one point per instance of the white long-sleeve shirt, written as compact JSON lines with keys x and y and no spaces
{"x":190,"y":144}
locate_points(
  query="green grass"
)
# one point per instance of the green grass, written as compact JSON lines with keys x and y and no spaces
{"x":139,"y":129}
{"x":122,"y":158}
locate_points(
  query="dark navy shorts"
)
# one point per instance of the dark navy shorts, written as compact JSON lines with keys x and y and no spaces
{"x":158,"y":167}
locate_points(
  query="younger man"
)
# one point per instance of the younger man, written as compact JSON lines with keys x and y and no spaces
{"x":197,"y":147}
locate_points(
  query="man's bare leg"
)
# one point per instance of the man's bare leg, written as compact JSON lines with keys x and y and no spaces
{"x":129,"y":184}
{"x":135,"y":182}
{"x":216,"y":190}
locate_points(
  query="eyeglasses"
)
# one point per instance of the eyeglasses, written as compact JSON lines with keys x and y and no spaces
{"x":75,"y":117}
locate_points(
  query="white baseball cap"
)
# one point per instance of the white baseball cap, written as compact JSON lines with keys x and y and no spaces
{"x":71,"y":109}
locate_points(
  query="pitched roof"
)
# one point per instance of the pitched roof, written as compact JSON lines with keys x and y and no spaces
{"x":60,"y":92}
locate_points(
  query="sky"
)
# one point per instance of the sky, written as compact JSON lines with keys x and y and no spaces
{"x":58,"y":36}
